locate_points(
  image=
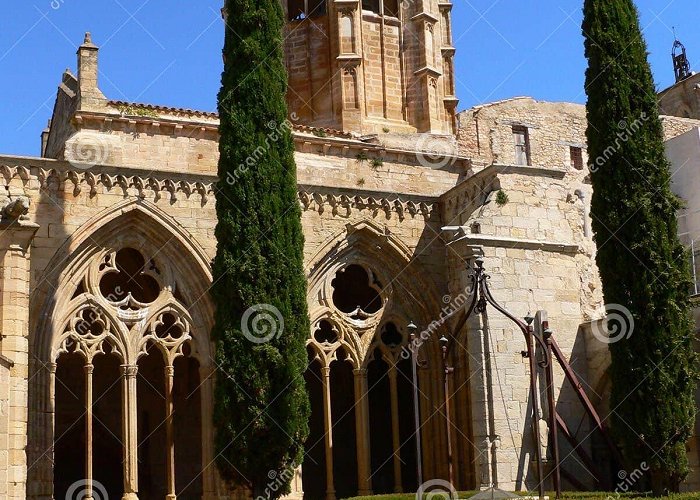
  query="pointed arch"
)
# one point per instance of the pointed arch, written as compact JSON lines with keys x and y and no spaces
{"x":131,"y":222}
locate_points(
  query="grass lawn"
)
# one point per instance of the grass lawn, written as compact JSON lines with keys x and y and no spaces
{"x":565,"y":496}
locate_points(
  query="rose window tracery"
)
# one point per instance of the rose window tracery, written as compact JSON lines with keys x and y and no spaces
{"x":125,"y":303}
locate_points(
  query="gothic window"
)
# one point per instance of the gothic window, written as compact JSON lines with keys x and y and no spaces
{"x":356,"y":292}
{"x":127,"y":330}
{"x":129,"y":275}
{"x":299,"y":10}
{"x":326,"y":333}
{"x":390,"y":335}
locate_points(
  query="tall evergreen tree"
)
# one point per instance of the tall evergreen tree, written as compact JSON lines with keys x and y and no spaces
{"x":643,"y":265}
{"x":261,"y":321}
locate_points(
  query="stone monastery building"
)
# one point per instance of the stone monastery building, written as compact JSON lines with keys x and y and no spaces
{"x":107,"y":240}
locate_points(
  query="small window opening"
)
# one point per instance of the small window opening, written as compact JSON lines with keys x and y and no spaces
{"x":301,"y":9}
{"x":521,"y":138}
{"x":372,"y":5}
{"x":576,"y":155}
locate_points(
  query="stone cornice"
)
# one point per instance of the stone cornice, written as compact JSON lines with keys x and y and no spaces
{"x":485,"y":240}
{"x":52,"y":174}
{"x":349,"y":148}
{"x":346,"y":201}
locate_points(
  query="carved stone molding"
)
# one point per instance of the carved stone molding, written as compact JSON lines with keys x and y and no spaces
{"x":51,"y":179}
{"x":346,"y":204}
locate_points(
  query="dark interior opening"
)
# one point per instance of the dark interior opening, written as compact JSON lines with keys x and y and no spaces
{"x":352,"y":289}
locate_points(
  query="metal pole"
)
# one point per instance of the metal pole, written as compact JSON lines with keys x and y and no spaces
{"x":535,"y":410}
{"x":448,"y":372}
{"x":554,"y":435}
{"x":416,"y":406}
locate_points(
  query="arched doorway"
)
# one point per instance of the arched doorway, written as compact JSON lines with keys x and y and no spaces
{"x":126,"y":383}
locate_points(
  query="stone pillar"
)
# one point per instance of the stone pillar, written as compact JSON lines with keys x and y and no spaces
{"x":15,"y":242}
{"x":364,"y":483}
{"x":89,"y":369}
{"x":328,"y":431}
{"x":129,"y":432}
{"x":395,"y":435}
{"x":5,"y":367}
{"x":169,"y":436}
{"x":206,"y":377}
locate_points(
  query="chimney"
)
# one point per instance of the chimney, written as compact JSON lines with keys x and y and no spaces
{"x":45,"y":138}
{"x":89,"y":94}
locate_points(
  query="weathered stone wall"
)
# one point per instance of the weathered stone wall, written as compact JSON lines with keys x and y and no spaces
{"x":682,"y":99}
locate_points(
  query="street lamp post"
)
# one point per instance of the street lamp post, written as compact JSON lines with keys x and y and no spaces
{"x":448,"y":371}
{"x":412,"y":328}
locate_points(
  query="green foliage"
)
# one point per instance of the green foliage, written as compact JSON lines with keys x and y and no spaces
{"x":136,"y":110}
{"x":361,"y":156}
{"x":261,"y":406}
{"x":377,"y":162}
{"x":642,"y":263}
{"x":501,"y":198}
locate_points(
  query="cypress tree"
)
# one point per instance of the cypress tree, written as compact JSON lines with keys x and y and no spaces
{"x":261,"y":320}
{"x":642,"y":263}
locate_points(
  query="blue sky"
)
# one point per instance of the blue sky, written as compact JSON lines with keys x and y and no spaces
{"x":169,"y":52}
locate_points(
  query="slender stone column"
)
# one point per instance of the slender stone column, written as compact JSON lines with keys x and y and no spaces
{"x":327,"y":426}
{"x":169,"y":437}
{"x":89,"y":368}
{"x":361,"y":429}
{"x":206,"y":397}
{"x":396,"y":437}
{"x":129,"y":432}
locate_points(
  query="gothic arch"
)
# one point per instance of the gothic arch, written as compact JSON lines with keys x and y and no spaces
{"x":177,"y":320}
{"x":396,"y":281}
{"x":141,"y":224}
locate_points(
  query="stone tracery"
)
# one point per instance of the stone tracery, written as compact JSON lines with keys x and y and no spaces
{"x":124,"y":306}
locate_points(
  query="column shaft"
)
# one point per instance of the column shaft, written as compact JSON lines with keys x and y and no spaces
{"x":327,"y":425}
{"x":129,"y":432}
{"x":396,"y":437}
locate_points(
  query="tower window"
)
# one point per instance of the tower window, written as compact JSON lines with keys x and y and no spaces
{"x":372,"y":5}
{"x":521,"y":138}
{"x":576,"y":157}
{"x":382,"y":7}
{"x":302,"y":9}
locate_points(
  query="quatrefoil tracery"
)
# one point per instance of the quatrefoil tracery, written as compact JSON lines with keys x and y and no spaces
{"x":126,"y":306}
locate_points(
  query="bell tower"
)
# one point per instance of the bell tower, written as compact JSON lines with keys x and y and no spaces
{"x":371,"y":66}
